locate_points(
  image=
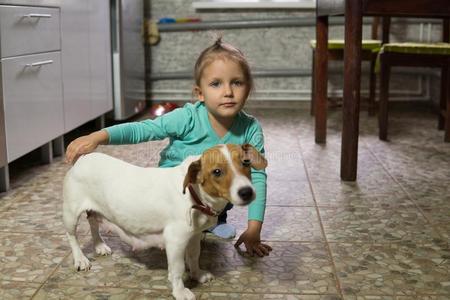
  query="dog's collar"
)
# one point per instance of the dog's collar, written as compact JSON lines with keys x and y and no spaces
{"x":200,"y":205}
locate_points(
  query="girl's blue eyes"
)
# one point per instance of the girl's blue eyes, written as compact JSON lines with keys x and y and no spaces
{"x":234,"y":83}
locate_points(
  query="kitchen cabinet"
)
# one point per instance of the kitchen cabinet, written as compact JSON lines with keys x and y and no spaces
{"x":31,"y":97}
{"x":86,"y":61}
{"x":55,"y":72}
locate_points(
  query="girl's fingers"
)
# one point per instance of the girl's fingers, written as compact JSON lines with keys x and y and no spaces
{"x":267,"y":247}
{"x":239,"y":242}
{"x":264,"y":249}
{"x":259,"y":251}
{"x":250,"y":249}
{"x":267,"y":250}
{"x":68,"y":156}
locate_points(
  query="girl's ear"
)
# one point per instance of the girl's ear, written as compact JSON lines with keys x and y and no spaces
{"x":198,"y":93}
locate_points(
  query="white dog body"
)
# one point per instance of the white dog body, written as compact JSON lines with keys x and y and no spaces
{"x":148,"y":207}
{"x":124,"y":194}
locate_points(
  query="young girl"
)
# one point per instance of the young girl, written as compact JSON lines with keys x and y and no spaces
{"x":222,"y":84}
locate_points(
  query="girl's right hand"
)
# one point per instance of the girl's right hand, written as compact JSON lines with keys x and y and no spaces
{"x":84,"y":145}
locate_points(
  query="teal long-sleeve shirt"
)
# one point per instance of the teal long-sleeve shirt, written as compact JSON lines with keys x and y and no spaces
{"x":190,"y":133}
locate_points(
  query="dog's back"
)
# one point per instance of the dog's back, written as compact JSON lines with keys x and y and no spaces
{"x":123,"y":193}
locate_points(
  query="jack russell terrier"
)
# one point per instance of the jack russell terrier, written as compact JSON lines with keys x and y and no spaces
{"x":149,"y":207}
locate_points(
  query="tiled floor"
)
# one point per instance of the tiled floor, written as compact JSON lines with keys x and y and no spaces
{"x":384,"y":237}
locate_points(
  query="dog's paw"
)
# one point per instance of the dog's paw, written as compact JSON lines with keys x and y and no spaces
{"x":103,"y":249}
{"x":184,"y":294}
{"x":82,"y":263}
{"x":203,"y":276}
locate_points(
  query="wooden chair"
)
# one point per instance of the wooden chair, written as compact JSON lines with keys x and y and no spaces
{"x":435,"y":55}
{"x":370,"y":50}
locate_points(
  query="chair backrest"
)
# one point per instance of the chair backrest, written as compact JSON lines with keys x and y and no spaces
{"x":385,"y":28}
{"x":386,"y":25}
{"x":375,"y":27}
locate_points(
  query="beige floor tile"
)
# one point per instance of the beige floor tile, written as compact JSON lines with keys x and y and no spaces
{"x":12,"y":290}
{"x":365,"y":224}
{"x":282,"y":223}
{"x":30,"y":257}
{"x":408,"y":269}
{"x":289,"y":193}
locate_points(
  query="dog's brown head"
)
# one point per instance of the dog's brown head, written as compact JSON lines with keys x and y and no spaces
{"x":225,"y":171}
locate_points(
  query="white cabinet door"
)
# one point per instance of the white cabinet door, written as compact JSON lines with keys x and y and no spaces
{"x":86,"y":59}
{"x":75,"y":62}
{"x":32,"y":101}
{"x":100,"y":57}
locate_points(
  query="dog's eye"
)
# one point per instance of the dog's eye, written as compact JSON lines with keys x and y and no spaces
{"x":217,"y":172}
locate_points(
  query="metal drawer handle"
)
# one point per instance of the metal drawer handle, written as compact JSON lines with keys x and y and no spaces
{"x":37,"y":16}
{"x":40,"y":63}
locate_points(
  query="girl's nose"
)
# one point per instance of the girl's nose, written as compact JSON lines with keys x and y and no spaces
{"x":228,"y":90}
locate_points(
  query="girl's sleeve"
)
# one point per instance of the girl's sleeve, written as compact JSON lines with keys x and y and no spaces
{"x":173,"y":124}
{"x":257,"y":208}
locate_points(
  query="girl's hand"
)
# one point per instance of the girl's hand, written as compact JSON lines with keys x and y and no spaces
{"x":252,"y":241}
{"x":84,"y":145}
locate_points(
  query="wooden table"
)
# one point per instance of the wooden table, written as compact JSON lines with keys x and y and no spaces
{"x":354,"y":10}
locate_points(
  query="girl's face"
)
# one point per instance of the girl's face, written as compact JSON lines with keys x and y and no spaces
{"x":223,"y":88}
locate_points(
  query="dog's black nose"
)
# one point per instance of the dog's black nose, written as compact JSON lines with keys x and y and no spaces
{"x":246,"y":193}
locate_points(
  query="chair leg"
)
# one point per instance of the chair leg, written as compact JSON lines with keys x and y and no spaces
{"x":321,"y":80}
{"x":313,"y":96}
{"x":446,"y":84}
{"x":372,"y":86}
{"x":384,"y":98}
{"x":443,"y":99}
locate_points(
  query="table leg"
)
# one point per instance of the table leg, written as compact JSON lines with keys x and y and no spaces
{"x":321,"y":79}
{"x":352,"y":85}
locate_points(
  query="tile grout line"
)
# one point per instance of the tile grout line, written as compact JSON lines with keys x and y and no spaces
{"x":333,"y":265}
{"x":404,"y":190}
{"x":51,"y":274}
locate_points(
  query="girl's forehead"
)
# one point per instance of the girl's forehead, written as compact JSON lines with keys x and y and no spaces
{"x":221,"y":65}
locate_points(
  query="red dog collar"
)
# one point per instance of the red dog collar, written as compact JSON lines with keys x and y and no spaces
{"x":199,"y":204}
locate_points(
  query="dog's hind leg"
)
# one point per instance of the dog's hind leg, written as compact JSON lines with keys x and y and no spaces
{"x":81,"y":262}
{"x":192,"y":258}
{"x":99,"y":244}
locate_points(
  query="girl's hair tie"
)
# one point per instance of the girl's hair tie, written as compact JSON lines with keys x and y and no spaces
{"x":218,"y":42}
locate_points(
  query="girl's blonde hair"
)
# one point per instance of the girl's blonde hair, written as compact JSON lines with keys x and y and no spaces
{"x":221,"y":49}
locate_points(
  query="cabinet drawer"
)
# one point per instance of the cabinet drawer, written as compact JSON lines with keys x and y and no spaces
{"x":28,"y":30}
{"x":32,"y":97}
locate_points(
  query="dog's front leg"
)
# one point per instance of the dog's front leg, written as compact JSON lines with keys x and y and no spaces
{"x":175,"y":249}
{"x":192,"y":260}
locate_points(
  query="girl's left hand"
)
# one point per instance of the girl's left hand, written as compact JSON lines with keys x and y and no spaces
{"x":253,"y":244}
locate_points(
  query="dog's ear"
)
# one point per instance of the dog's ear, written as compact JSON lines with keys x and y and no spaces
{"x":192,"y":174}
{"x":251,"y":157}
